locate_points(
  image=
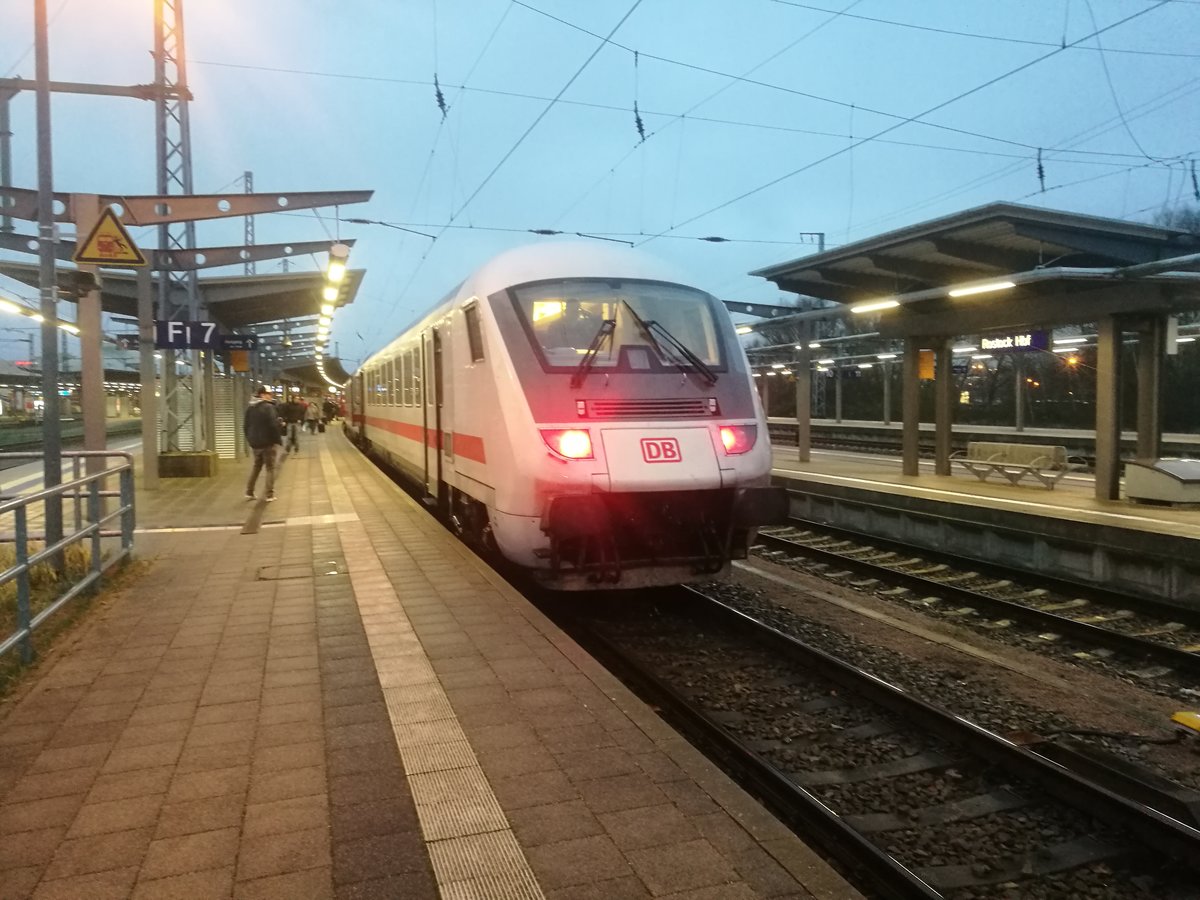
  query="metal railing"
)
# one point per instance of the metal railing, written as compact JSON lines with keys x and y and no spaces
{"x":91,"y":516}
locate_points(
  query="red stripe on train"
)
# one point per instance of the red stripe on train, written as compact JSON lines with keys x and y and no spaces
{"x":469,"y":446}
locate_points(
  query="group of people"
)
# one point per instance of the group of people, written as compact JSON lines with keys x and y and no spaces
{"x":267,"y":428}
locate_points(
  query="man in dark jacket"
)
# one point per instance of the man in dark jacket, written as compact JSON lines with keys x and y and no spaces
{"x":292,"y":414}
{"x":264,"y":437}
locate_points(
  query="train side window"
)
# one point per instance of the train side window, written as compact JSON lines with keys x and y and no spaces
{"x":406,"y":382}
{"x":397,"y":386}
{"x":387,"y":383}
{"x":474,"y":334}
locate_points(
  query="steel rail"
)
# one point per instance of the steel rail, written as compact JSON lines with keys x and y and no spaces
{"x":801,"y":810}
{"x":1161,"y":832}
{"x":1181,"y":660}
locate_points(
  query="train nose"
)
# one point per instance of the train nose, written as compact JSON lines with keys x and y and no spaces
{"x":645,"y":459}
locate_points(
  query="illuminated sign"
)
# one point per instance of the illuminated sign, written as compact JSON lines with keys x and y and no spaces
{"x":186,"y":336}
{"x":1020,"y":342}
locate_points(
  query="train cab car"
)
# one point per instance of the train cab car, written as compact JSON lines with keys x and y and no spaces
{"x":584,"y":412}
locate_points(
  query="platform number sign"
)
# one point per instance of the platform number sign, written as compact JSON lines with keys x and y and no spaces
{"x":187,"y":336}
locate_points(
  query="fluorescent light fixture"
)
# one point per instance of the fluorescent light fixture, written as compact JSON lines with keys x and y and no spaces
{"x":758,"y":374}
{"x":982,"y":288}
{"x":744,"y":329}
{"x":814,"y":345}
{"x":1184,"y":340}
{"x":1066,"y":350}
{"x":330,"y":293}
{"x":327,"y":309}
{"x":67,"y":326}
{"x":776,"y":365}
{"x":982,"y":356}
{"x":324,"y":320}
{"x":1063,"y":342}
{"x":786,"y":372}
{"x":336,"y":272}
{"x":38,"y":317}
{"x":10,"y":307}
{"x":866,"y":365}
{"x":772,"y":372}
{"x":962,"y":351}
{"x":824,"y":362}
{"x":874,"y":306}
{"x":887,"y":356}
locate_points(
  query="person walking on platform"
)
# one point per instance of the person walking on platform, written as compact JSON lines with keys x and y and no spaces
{"x":292,"y":414}
{"x":261,"y":425}
{"x":311,"y":416}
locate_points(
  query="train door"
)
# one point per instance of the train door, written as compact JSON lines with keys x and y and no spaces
{"x":431,"y":358}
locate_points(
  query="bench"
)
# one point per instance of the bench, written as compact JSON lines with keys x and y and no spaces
{"x":1046,"y":463}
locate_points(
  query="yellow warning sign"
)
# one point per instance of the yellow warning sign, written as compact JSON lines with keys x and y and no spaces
{"x":109,"y":244}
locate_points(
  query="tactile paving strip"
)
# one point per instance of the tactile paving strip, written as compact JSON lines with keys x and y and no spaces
{"x":473,"y":851}
{"x":484,"y":865}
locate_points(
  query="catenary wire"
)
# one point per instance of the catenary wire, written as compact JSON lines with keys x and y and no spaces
{"x":984,"y":37}
{"x":914,"y":118}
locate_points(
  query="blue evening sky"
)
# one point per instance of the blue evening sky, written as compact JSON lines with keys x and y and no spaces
{"x":764,"y":120}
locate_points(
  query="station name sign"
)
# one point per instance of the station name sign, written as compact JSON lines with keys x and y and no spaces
{"x":1019,"y":342}
{"x":199,"y":336}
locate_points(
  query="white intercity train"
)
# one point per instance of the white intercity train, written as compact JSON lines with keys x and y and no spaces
{"x":580,"y":410}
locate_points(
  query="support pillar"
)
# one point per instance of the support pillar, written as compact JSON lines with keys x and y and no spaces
{"x":943,"y":407}
{"x":887,"y":392}
{"x":86,"y":213}
{"x":149,"y":378}
{"x":1019,"y":390}
{"x":803,"y":372}
{"x":1108,"y":410}
{"x":910,"y":406}
{"x":838,"y":370}
{"x":1151,"y":348}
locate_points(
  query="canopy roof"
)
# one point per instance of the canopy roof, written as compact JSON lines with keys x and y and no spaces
{"x":281,"y":308}
{"x":1066,"y":263}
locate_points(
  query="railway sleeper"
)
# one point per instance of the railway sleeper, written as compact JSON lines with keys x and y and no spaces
{"x":1061,"y":857}
{"x":1001,"y":800}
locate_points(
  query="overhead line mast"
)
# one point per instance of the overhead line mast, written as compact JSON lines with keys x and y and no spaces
{"x":186,"y":400}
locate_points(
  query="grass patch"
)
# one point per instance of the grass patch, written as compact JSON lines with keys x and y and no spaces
{"x":45,"y":586}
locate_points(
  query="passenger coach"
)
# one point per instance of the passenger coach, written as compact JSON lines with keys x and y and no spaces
{"x":583,"y":412}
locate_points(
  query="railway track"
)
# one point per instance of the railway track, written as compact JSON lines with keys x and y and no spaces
{"x":915,"y":801}
{"x":1151,"y":643}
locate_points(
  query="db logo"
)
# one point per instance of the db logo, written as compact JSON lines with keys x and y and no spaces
{"x":661,"y":450}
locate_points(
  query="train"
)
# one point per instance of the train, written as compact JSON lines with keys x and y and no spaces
{"x":580,"y":410}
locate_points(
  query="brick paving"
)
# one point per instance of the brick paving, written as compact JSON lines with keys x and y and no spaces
{"x":213,"y":732}
{"x":218,"y":728}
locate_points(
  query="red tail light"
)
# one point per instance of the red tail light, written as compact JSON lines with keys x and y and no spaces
{"x":738,"y":438}
{"x":569,"y":443}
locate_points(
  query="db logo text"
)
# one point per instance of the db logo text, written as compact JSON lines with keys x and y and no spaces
{"x":661,"y":450}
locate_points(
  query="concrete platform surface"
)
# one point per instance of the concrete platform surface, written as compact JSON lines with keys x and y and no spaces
{"x":1073,"y":499}
{"x":329,"y":696}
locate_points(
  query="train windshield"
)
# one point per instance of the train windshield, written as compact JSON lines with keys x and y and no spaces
{"x":564,"y":318}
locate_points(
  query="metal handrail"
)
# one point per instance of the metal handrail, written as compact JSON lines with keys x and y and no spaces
{"x":89,"y":526}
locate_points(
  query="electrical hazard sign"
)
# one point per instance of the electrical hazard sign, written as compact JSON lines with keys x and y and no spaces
{"x":109,"y":244}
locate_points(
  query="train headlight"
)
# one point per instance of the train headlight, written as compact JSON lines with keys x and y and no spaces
{"x":738,"y":438}
{"x":569,"y":443}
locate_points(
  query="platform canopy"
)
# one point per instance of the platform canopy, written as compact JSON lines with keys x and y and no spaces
{"x":280,"y":308}
{"x":1057,"y":268}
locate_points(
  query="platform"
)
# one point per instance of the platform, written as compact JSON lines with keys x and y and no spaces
{"x":1151,"y":551}
{"x":329,"y":696}
{"x":1072,"y":499}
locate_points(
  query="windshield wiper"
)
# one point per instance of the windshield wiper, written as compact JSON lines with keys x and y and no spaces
{"x":682,"y":348}
{"x":603,"y":333}
{"x":648,"y":328}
